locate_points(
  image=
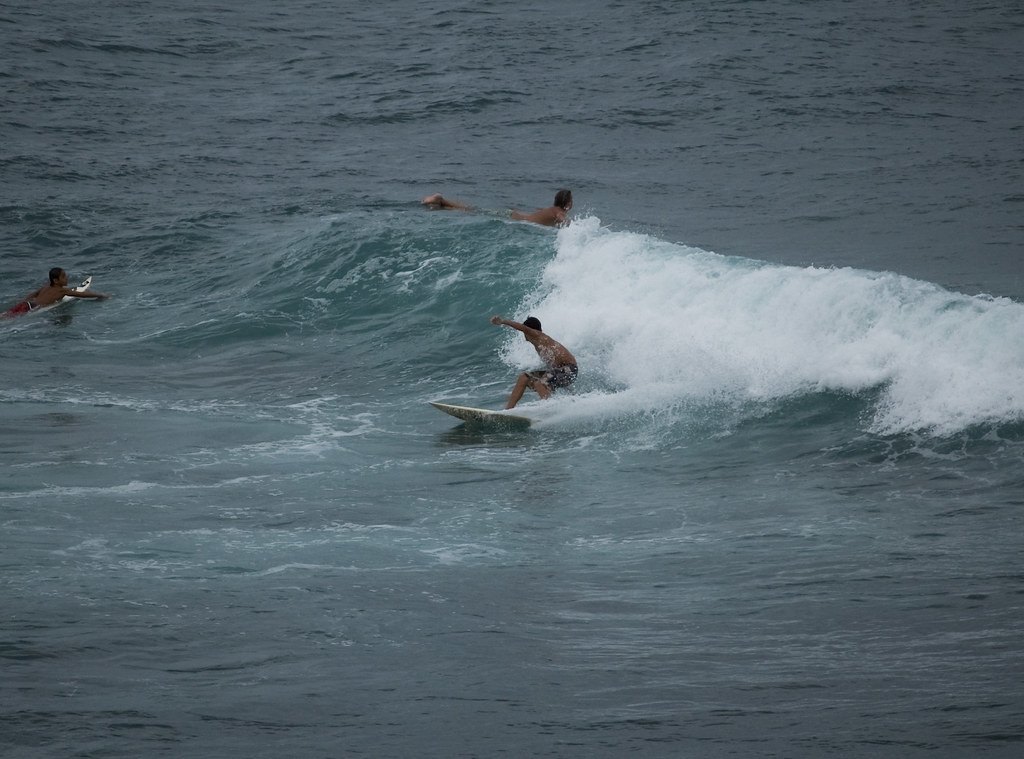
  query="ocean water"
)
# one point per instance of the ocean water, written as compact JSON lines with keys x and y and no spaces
{"x":781,"y":514}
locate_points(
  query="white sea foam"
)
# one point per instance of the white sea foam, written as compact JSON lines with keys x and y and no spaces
{"x":655,"y":323}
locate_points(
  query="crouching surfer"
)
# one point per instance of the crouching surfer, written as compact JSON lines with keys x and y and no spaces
{"x":561,"y":365}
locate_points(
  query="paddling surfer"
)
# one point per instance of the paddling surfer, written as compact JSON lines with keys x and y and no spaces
{"x":49,"y":294}
{"x":555,"y":215}
{"x":561,"y":365}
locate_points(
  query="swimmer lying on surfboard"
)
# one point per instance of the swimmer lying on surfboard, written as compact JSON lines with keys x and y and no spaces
{"x":553,"y":216}
{"x":49,"y":294}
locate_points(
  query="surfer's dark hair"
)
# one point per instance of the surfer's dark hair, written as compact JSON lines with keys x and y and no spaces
{"x":533,"y":323}
{"x":563,"y":198}
{"x":55,"y":273}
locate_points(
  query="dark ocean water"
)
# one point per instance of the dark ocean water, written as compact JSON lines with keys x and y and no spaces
{"x":780,"y":514}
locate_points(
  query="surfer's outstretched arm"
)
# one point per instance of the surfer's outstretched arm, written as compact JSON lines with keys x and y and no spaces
{"x":84,"y":294}
{"x":501,"y":321}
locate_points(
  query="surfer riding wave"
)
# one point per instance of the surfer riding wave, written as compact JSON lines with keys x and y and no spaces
{"x":561,"y":368}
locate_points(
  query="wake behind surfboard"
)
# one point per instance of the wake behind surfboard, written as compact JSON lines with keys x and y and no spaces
{"x":483,"y":417}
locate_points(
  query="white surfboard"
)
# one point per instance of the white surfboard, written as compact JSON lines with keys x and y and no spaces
{"x":484,"y":417}
{"x":86,"y":284}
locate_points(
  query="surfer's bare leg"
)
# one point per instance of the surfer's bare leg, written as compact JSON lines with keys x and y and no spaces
{"x":517,"y":391}
{"x":527,"y":381}
{"x":438,"y":202}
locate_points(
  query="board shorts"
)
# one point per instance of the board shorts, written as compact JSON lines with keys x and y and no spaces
{"x":559,"y":377}
{"x":22,"y":308}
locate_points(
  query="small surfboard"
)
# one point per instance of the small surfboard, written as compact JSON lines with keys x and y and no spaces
{"x":484,"y":417}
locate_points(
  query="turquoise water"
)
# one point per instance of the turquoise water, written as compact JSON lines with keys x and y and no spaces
{"x":778,"y":515}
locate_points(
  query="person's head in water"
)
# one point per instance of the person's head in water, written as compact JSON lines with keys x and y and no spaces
{"x":533,"y":323}
{"x":563,"y":199}
{"x":55,"y":274}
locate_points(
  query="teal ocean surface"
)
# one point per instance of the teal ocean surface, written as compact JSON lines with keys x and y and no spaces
{"x":780,"y":514}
